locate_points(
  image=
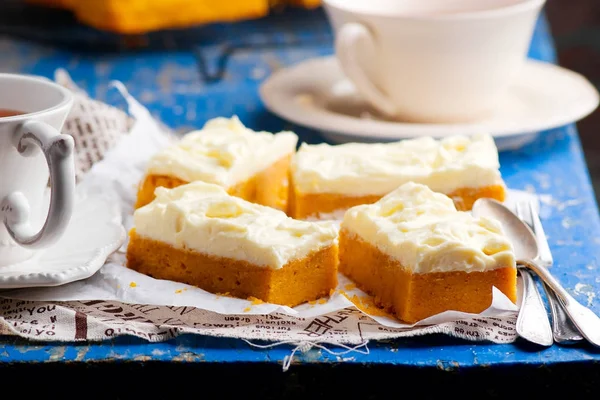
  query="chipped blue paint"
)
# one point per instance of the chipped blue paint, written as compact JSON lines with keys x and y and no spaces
{"x":170,"y":85}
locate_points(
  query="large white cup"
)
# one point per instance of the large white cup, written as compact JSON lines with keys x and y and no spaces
{"x":432,"y":60}
{"x":33,"y":154}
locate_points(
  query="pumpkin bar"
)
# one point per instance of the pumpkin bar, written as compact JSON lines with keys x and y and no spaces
{"x":200,"y":235}
{"x":143,"y":16}
{"x":418,"y":256}
{"x":327,"y":179}
{"x":248,"y":164}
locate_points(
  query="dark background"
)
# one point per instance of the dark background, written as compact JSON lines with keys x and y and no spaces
{"x":575,"y":25}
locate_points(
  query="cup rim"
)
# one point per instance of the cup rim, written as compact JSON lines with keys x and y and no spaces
{"x":525,"y":5}
{"x":67,"y":96}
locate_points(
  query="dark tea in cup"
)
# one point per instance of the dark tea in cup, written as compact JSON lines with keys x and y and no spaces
{"x":5,"y":112}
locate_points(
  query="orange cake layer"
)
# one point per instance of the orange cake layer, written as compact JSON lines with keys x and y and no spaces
{"x":303,"y":206}
{"x":269,"y":187}
{"x":305,"y":279}
{"x":415,"y":296}
{"x":329,"y":178}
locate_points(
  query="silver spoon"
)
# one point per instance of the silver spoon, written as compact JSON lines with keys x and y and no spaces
{"x":526,"y":251}
{"x":532,"y":324}
{"x":563,"y":329}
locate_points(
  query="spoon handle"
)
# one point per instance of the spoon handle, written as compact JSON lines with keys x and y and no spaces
{"x":563,"y":329}
{"x":533,"y":323}
{"x":584,"y":319}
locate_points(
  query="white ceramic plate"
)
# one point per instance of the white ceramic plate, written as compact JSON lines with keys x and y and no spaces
{"x":315,"y":94}
{"x":95,"y":232}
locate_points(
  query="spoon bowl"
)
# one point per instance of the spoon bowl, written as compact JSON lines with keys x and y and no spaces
{"x":523,"y":239}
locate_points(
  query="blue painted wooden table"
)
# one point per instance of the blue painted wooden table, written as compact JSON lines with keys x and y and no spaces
{"x":187,"y":78}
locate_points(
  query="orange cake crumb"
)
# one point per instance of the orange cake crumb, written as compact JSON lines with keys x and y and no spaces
{"x":303,"y":206}
{"x":299,"y":281}
{"x":367,"y":305}
{"x":413,"y":297}
{"x":255,"y":301}
{"x":268,"y":187}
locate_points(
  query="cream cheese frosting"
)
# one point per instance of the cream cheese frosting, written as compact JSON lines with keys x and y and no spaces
{"x":424,"y":232}
{"x":202,"y":217}
{"x":358,"y":169}
{"x":224,"y":152}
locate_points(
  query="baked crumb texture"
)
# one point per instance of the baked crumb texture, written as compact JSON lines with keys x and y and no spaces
{"x":268,"y":187}
{"x":301,"y":280}
{"x":303,"y":206}
{"x":413,"y":297}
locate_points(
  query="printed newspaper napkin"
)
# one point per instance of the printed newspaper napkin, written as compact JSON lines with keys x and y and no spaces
{"x":118,"y":301}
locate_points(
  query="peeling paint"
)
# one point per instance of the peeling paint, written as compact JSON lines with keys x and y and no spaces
{"x":188,"y":356}
{"x":57,"y":353}
{"x":158,"y":352}
{"x":586,"y":290}
{"x":171,"y":73}
{"x":543,"y":180}
{"x":81,"y":353}
{"x":102,"y":69}
{"x":568,"y":222}
{"x":447,"y":365}
{"x":258,"y":73}
{"x":147,"y":96}
{"x":190,"y":112}
{"x":27,"y":349}
{"x":576,"y":243}
{"x":115,"y":356}
{"x":311,"y":355}
{"x":569,"y":203}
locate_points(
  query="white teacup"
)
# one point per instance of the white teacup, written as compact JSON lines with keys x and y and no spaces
{"x":432,"y":60}
{"x":33,"y":153}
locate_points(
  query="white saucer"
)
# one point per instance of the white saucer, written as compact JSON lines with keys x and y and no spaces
{"x":94,"y":232}
{"x":315,"y":94}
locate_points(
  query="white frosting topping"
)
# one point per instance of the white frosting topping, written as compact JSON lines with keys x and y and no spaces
{"x":224,"y":152}
{"x":424,"y":232}
{"x":203,"y":217}
{"x":359,"y":169}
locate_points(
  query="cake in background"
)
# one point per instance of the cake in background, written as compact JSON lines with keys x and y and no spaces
{"x":200,"y":235}
{"x":248,"y":164}
{"x":418,"y":256}
{"x":142,"y":16}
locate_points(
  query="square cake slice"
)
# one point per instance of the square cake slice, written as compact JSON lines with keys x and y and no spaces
{"x":418,"y":256}
{"x":248,"y":164}
{"x":200,"y":235}
{"x":327,"y":179}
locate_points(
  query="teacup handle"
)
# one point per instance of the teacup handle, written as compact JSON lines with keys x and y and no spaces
{"x":58,"y":149}
{"x":348,"y":38}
